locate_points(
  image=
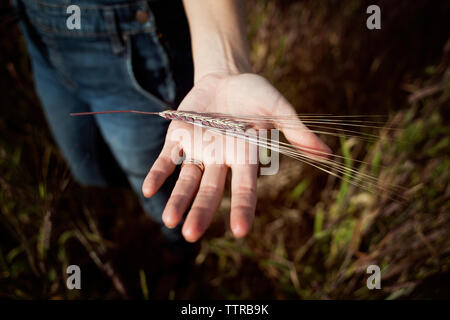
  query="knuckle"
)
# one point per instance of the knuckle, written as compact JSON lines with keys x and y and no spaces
{"x":244,"y":190}
{"x":166,"y":161}
{"x":174,"y":207}
{"x":188,"y":176}
{"x":164,"y":158}
{"x":155,"y":174}
{"x":200,"y":209}
{"x":209,"y":189}
{"x":176,"y":198}
{"x":243,"y":209}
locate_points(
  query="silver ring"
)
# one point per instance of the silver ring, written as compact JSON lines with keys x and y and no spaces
{"x":195,"y":162}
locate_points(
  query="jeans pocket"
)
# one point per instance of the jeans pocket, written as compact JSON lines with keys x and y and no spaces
{"x":149,"y":69}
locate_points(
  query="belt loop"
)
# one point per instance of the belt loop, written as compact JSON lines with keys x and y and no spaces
{"x":113,"y":30}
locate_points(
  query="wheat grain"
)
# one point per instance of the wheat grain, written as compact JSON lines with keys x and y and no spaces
{"x":204,"y":120}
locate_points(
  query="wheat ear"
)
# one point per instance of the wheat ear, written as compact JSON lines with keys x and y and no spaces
{"x":204,"y":120}
{"x":236,"y":126}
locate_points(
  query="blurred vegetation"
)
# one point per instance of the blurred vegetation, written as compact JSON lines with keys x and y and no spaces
{"x":313,"y":235}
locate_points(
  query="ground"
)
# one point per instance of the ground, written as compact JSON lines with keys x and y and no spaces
{"x":313,"y":235}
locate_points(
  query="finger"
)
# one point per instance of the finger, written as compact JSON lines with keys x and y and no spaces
{"x":163,"y":167}
{"x":243,"y":199}
{"x":206,"y":202}
{"x":182,"y":195}
{"x":298,"y":134}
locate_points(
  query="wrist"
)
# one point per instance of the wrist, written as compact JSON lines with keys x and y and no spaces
{"x":220,"y":64}
{"x":218,"y":37}
{"x":217,"y":54}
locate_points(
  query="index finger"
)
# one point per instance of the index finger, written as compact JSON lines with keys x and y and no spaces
{"x":162,"y":168}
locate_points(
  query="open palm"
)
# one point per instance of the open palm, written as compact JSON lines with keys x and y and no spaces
{"x":247,"y":94}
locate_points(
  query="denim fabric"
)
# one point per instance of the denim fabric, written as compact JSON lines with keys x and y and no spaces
{"x":113,"y":63}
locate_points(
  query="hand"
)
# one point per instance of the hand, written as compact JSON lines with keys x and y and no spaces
{"x":224,"y":93}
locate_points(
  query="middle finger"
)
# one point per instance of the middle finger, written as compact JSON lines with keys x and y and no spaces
{"x":206,"y":202}
{"x":182,"y":194}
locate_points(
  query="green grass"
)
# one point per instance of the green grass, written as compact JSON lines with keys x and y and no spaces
{"x":313,"y":235}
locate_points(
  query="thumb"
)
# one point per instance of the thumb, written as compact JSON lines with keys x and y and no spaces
{"x":296,"y":132}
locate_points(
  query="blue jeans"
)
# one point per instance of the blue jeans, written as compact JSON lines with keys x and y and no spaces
{"x":127,"y":55}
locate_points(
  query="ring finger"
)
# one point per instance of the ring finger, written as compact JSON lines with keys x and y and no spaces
{"x":182,"y":194}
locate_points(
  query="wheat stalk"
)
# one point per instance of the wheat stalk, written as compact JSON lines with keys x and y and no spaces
{"x":335,"y":125}
{"x":204,"y":120}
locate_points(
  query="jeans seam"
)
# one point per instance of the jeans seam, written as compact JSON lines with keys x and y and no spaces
{"x":92,"y":7}
{"x":80,"y":34}
{"x":50,"y":31}
{"x":56,"y":63}
{"x":59,"y":66}
{"x":128,"y":68}
{"x":169,"y":81}
{"x":112,"y":26}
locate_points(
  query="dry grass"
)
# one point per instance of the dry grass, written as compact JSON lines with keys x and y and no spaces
{"x":314,"y":235}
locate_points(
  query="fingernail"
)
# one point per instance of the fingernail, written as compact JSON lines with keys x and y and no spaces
{"x":147,"y":192}
{"x":239,"y":232}
{"x":169,"y":222}
{"x":188,"y":236}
